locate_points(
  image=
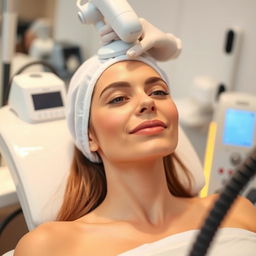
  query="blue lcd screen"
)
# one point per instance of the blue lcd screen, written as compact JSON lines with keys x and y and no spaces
{"x":239,"y":127}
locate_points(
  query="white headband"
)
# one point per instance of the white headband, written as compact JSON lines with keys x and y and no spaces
{"x":80,"y":94}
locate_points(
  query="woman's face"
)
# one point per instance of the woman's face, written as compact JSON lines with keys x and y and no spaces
{"x":132,"y":114}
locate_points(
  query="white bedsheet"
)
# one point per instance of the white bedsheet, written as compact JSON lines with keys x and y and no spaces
{"x":227,"y":242}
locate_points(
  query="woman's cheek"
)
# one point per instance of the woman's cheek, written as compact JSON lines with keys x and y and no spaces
{"x":172,"y":112}
{"x":108,"y":124}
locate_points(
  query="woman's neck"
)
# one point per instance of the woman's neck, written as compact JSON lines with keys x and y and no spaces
{"x":137,"y":192}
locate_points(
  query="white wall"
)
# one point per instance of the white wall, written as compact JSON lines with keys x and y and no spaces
{"x":203,"y":27}
{"x":68,"y":27}
{"x":201,"y":24}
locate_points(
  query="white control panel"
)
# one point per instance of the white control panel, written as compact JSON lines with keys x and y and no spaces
{"x":235,"y":136}
{"x":38,"y":97}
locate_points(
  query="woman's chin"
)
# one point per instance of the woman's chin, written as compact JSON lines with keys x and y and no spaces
{"x":148,"y":156}
{"x":147,"y":152}
{"x":157,"y":151}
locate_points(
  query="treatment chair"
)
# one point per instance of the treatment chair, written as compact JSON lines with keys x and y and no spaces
{"x":39,"y":157}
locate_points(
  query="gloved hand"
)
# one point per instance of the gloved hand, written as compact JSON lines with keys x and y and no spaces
{"x":161,"y":46}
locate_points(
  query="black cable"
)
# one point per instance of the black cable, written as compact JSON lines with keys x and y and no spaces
{"x":236,"y":184}
{"x":8,"y":219}
{"x":6,"y":90}
{"x":38,"y":62}
{"x":5,"y":79}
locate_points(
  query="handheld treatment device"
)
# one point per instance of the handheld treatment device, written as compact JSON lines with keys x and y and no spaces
{"x":120,"y":16}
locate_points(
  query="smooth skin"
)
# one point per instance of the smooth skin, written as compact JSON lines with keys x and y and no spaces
{"x":138,"y":207}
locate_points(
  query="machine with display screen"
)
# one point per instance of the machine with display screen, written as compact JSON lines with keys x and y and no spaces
{"x":231,"y":136}
{"x":33,"y":135}
{"x":38,"y":97}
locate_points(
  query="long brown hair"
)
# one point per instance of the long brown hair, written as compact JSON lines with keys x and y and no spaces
{"x":87,"y":188}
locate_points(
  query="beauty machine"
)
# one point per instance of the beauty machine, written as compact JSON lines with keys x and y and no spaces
{"x":36,"y":145}
{"x":232,"y":135}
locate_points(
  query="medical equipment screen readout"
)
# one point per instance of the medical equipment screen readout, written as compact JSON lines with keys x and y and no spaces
{"x":239,"y":127}
{"x":47,"y":100}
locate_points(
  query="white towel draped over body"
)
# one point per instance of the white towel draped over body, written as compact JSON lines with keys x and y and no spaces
{"x":228,"y":242}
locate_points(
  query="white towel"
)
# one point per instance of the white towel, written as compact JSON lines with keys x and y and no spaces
{"x":227,"y":242}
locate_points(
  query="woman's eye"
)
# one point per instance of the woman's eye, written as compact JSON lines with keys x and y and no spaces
{"x":160,"y":93}
{"x":117,"y":100}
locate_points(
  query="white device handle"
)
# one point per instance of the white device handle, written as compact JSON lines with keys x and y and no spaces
{"x":121,"y":17}
{"x":117,"y":13}
{"x":89,"y":14}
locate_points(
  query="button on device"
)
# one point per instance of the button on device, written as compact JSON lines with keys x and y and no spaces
{"x":235,"y":158}
{"x":230,"y":172}
{"x":221,"y":171}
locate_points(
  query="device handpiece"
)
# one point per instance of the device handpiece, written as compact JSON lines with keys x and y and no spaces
{"x":121,"y":17}
{"x":117,"y":13}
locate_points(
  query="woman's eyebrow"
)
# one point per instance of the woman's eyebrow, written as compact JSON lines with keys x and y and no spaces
{"x":119,"y":84}
{"x":154,"y":79}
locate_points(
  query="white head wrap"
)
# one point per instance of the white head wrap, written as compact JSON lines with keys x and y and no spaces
{"x":80,"y":94}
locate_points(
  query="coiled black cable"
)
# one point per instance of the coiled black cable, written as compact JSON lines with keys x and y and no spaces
{"x":230,"y":192}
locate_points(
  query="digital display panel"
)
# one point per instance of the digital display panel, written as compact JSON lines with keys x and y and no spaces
{"x":239,"y":127}
{"x":47,"y":100}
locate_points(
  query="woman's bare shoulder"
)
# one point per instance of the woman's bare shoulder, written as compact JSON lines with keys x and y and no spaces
{"x":245,"y":212}
{"x":47,"y":239}
{"x":63,"y":238}
{"x":241,"y":214}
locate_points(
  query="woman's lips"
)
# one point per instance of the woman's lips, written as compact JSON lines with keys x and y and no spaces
{"x":149,"y":127}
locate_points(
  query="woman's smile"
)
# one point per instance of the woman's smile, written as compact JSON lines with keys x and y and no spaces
{"x":149,"y":127}
{"x":150,"y":130}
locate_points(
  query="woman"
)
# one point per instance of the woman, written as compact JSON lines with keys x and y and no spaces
{"x":132,"y":128}
{"x":123,"y":190}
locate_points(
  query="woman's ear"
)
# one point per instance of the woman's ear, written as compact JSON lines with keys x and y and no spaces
{"x":93,"y":141}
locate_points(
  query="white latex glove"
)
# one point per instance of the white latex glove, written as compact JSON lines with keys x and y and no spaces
{"x":161,"y":46}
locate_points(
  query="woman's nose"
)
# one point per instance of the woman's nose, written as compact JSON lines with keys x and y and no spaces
{"x":147,"y":105}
